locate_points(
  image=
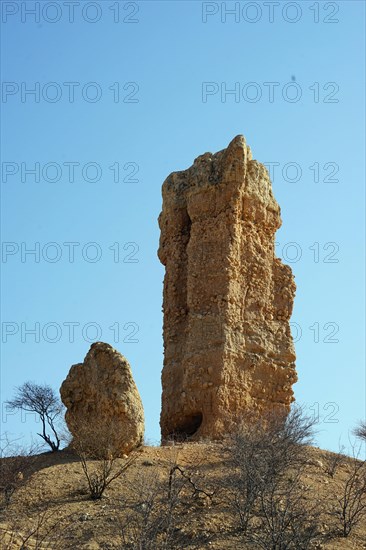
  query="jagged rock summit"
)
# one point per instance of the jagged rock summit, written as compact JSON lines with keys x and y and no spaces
{"x":227,"y":299}
{"x":101,"y":390}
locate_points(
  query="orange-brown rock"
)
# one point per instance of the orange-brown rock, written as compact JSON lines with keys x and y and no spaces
{"x":228,"y":349}
{"x":101,"y":392}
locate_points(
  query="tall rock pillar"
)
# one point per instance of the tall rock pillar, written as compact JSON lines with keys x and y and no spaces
{"x":227,"y":299}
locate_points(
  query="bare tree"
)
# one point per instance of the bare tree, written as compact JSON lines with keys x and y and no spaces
{"x":99,"y":458}
{"x":42,"y":400}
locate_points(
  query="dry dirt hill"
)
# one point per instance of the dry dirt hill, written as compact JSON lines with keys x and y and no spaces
{"x":51,"y":508}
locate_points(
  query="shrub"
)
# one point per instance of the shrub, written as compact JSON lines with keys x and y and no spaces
{"x":268,"y":455}
{"x":100,"y":461}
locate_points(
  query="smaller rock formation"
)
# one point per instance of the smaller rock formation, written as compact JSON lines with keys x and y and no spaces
{"x":101,"y":391}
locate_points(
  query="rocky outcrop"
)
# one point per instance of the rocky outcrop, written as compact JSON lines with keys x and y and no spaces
{"x":227,"y":301}
{"x":101,"y":392}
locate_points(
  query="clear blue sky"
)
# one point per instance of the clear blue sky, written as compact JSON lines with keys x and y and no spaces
{"x":166,"y":115}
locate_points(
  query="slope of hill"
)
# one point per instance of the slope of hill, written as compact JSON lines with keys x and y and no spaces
{"x":52,"y":509}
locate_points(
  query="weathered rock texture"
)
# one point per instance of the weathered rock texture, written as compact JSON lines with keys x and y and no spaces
{"x":101,"y":391}
{"x":227,"y":298}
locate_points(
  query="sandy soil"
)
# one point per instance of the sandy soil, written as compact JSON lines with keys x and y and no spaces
{"x":53,"y":502}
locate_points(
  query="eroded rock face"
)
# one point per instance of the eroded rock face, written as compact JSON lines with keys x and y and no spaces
{"x":227,"y":299}
{"x":101,"y":391}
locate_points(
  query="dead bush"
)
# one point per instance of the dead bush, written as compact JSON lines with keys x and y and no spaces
{"x":43,"y":532}
{"x":284,"y":520}
{"x":16,"y":461}
{"x":151,"y":516}
{"x":264,"y":489}
{"x":334,"y":460}
{"x":156,"y":513}
{"x":360,"y":430}
{"x":348,"y":506}
{"x":100,"y":460}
